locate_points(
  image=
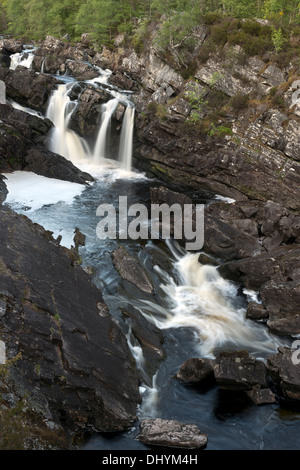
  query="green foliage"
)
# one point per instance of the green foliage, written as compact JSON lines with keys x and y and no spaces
{"x":195,"y":95}
{"x":278,"y":39}
{"x":219,"y":132}
{"x":103,"y":19}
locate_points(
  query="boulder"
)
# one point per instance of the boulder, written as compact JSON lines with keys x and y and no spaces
{"x":256,"y":311}
{"x":237,"y":370}
{"x":195,"y":370}
{"x":284,"y":369}
{"x":169,"y":433}
{"x":75,"y":369}
{"x":130,"y":270}
{"x":261,"y":396}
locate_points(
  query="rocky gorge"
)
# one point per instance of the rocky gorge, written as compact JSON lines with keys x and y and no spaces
{"x":244,"y":146}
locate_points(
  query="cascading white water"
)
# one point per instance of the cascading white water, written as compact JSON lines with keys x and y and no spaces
{"x":63,"y":140}
{"x":203,"y":301}
{"x":100,"y":151}
{"x":24,"y":59}
{"x":125,"y":150}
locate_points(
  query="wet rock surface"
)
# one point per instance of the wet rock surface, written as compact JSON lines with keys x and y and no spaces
{"x":129,"y":269}
{"x":196,"y":370}
{"x":27,"y":87}
{"x":284,"y":368}
{"x":173,"y":434}
{"x":75,"y":364}
{"x":238,"y":370}
{"x":22,"y":145}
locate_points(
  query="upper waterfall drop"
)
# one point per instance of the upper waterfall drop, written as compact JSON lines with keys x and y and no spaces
{"x":126,"y":141}
{"x":100,"y":150}
{"x":63,"y":140}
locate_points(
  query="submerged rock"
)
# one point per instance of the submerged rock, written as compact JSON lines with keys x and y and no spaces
{"x":169,"y":433}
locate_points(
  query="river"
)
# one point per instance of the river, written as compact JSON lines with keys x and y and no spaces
{"x":198,"y":312}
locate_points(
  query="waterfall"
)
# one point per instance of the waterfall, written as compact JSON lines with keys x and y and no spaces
{"x":125,"y":150}
{"x":200,"y":299}
{"x":24,"y":58}
{"x":63,"y":140}
{"x":100,"y":151}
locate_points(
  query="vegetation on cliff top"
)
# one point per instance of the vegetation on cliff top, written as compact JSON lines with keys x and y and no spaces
{"x":103,"y":19}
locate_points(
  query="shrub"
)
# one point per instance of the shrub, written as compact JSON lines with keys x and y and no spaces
{"x":213,"y":18}
{"x":253,"y":28}
{"x":239,"y":101}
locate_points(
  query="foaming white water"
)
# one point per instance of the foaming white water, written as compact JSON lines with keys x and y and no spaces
{"x":202,"y":300}
{"x":24,"y":59}
{"x":125,"y":150}
{"x":63,"y":140}
{"x":29,"y":192}
{"x":148,"y":408}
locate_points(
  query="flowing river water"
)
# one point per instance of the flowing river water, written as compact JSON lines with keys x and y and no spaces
{"x":198,"y":312}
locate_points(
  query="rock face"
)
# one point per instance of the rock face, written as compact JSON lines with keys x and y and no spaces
{"x":168,"y":433}
{"x":27,"y":87}
{"x":75,"y":365}
{"x":22,"y":141}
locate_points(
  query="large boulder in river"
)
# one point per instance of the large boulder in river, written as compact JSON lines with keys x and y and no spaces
{"x":237,"y":370}
{"x":169,"y":433}
{"x":75,"y":367}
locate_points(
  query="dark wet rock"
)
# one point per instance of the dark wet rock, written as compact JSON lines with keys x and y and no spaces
{"x":195,"y":370}
{"x":163,"y":195}
{"x":81,"y":70}
{"x":27,"y":87}
{"x":149,"y":337}
{"x":129,"y":269}
{"x":169,"y":433}
{"x":46,"y":163}
{"x":206,"y":259}
{"x":3,"y":189}
{"x":261,"y":396}
{"x":256,"y":311}
{"x":21,"y":144}
{"x":237,"y":370}
{"x":86,"y":117}
{"x":75,"y":367}
{"x":228,"y":242}
{"x":285,"y":326}
{"x":284,"y":369}
{"x":282,"y":265}
{"x":282,"y":300}
{"x":123,"y":81}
